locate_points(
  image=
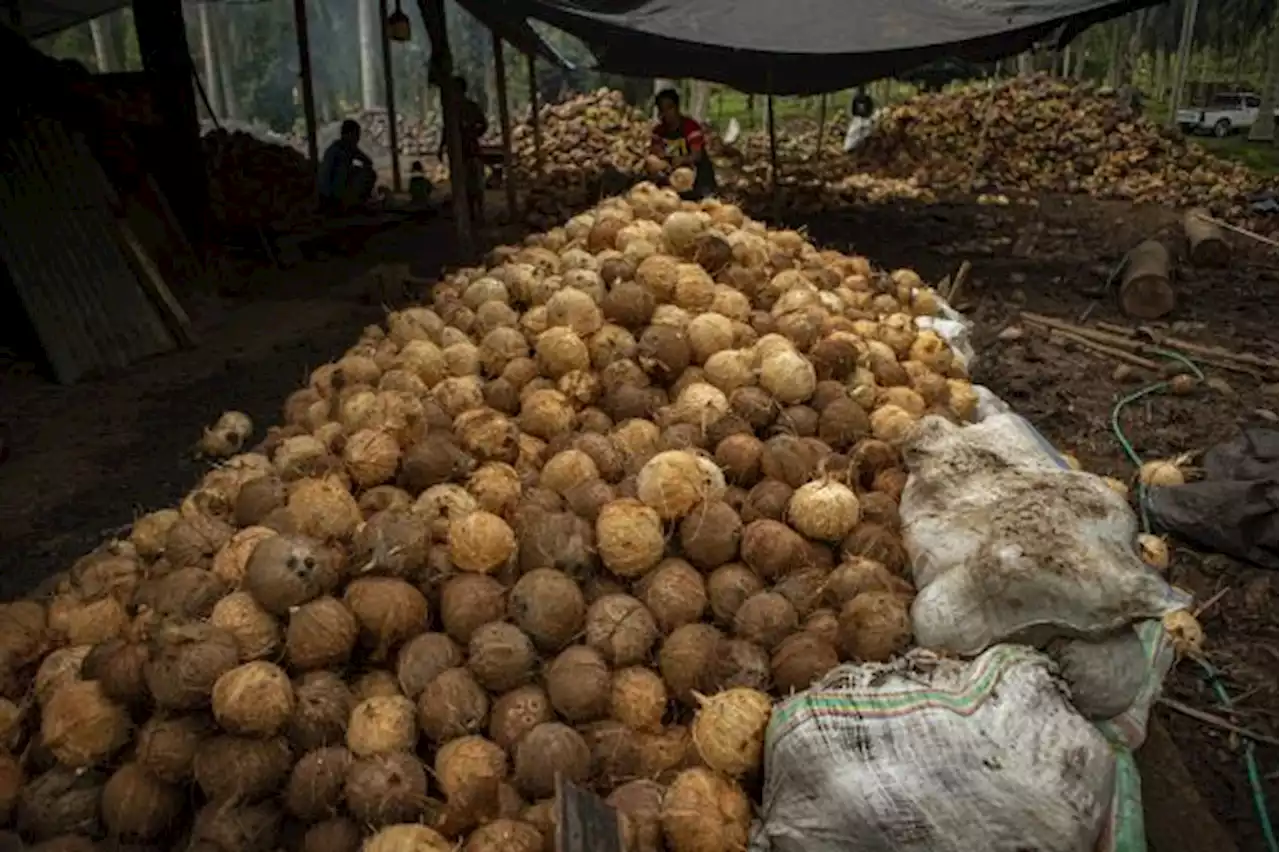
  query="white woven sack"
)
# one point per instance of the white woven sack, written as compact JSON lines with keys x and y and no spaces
{"x":933,"y":755}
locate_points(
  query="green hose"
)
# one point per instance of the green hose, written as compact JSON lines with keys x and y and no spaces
{"x":1252,"y":772}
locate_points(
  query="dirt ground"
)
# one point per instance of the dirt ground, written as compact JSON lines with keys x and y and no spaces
{"x":88,"y":459}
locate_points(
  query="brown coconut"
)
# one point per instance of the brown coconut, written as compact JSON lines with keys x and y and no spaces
{"x":767,"y":500}
{"x":315,"y":788}
{"x":739,"y":455}
{"x":629,"y":536}
{"x":505,"y":835}
{"x":384,"y":789}
{"x":236,"y":827}
{"x":766,"y":618}
{"x":388,"y":611}
{"x":422,"y":658}
{"x":392,"y":542}
{"x":257,"y":634}
{"x":61,"y":667}
{"x":621,"y":629}
{"x":638,"y":699}
{"x":382,"y":724}
{"x":338,"y":834}
{"x":434,"y":461}
{"x":728,"y":587}
{"x":550,"y":750}
{"x":843,"y":423}
{"x":740,"y":662}
{"x":517,"y":712}
{"x":802,"y":659}
{"x":705,"y":812}
{"x":710,"y":534}
{"x":194,"y":539}
{"x":728,"y":730}
{"x":60,"y":801}
{"x":578,"y":682}
{"x":322,"y":707}
{"x":185,"y":662}
{"x":321,"y":633}
{"x":408,"y":838}
{"x":880,"y":509}
{"x":137,"y":806}
{"x":641,"y":803}
{"x":496,"y":487}
{"x":12,"y":778}
{"x":481,"y":542}
{"x":286,"y":571}
{"x":166,"y":746}
{"x":453,"y":705}
{"x":81,"y":726}
{"x":228,"y":767}
{"x":255,"y":699}
{"x":324,"y":509}
{"x":874,"y":626}
{"x":468,"y":771}
{"x":550,"y":538}
{"x":586,"y":498}
{"x":663,"y":352}
{"x":674,"y":593}
{"x":873,"y":541}
{"x":687,"y":659}
{"x":772,"y":549}
{"x":182,"y":593}
{"x":468,"y":601}
{"x":549,"y":607}
{"x":375,"y":683}
{"x":858,"y":574}
{"x":790,"y":459}
{"x":501,"y":656}
{"x":150,"y":533}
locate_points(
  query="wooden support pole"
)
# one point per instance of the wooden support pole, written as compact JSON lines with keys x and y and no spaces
{"x":388,"y":81}
{"x":1205,"y":240}
{"x":308,"y":83}
{"x":1144,"y":285}
{"x":504,"y":116}
{"x":442,"y":71}
{"x":533,"y":115}
{"x":773,"y":155}
{"x":822,"y":125}
{"x":1189,"y":12}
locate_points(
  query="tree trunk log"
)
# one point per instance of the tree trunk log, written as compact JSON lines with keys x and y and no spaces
{"x":1207,"y":242}
{"x":1145,"y":291}
{"x":366,"y":10}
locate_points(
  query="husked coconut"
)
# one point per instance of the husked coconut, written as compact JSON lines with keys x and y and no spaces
{"x":728,"y":730}
{"x":551,"y":749}
{"x":705,"y":812}
{"x":517,"y":712}
{"x":578,"y":684}
{"x":874,"y":626}
{"x":620,"y":629}
{"x":548,"y":606}
{"x":674,"y":593}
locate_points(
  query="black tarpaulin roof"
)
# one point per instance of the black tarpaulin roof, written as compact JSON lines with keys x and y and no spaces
{"x":805,"y":46}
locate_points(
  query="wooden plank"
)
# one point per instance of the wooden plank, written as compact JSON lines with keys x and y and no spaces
{"x":178,"y":321}
{"x":584,"y":823}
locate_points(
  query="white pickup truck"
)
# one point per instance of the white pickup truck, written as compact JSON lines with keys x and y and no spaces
{"x":1224,"y":114}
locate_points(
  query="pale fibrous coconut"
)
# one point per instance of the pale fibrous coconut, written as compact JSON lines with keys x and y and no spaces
{"x":672,"y":483}
{"x":824,"y":510}
{"x":728,"y":730}
{"x":1161,"y":473}
{"x":1154,"y":551}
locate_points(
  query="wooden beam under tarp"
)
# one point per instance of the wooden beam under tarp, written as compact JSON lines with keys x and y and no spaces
{"x":450,"y":103}
{"x":533,"y":115}
{"x":504,"y":116}
{"x":308,"y":82}
{"x":388,"y":81}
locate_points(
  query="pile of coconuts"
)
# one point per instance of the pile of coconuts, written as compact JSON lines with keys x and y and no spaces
{"x":587,"y":515}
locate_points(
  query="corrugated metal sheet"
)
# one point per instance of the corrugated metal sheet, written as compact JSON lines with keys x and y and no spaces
{"x":59,"y":240}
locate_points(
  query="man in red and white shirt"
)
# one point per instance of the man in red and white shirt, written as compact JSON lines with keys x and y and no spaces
{"x":679,"y":140}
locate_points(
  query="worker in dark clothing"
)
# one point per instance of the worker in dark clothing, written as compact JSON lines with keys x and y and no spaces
{"x":861,"y":106}
{"x":347,"y":177}
{"x":679,"y":140}
{"x":474,"y":125}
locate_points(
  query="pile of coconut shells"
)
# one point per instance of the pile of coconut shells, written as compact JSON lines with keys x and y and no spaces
{"x":586,"y":516}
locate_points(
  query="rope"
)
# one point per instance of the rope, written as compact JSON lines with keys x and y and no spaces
{"x":1252,"y":772}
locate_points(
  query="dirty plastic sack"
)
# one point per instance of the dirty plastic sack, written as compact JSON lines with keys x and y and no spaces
{"x":1006,"y":545}
{"x":1233,"y":509}
{"x":935,"y":755}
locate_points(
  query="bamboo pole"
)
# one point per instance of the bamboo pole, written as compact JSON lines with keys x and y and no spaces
{"x":433,"y":20}
{"x":504,"y":116}
{"x":533,"y":115}
{"x":308,"y":84}
{"x":1184,"y":57}
{"x":388,"y":82}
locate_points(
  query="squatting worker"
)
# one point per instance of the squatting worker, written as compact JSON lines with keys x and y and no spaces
{"x":347,"y":177}
{"x":679,"y":140}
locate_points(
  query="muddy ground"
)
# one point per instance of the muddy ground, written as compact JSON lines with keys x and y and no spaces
{"x":87,"y":459}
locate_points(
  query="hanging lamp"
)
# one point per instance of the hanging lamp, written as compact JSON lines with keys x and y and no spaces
{"x":398,"y":28}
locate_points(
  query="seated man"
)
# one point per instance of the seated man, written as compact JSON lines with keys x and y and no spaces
{"x":347,"y":177}
{"x":679,"y":140}
{"x":419,"y":186}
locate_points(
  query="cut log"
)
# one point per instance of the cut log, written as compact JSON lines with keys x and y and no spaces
{"x":1206,"y":241}
{"x":1145,"y":291}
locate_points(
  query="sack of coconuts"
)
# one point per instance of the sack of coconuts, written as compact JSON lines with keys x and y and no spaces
{"x":926,"y":754}
{"x":1006,"y":545}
